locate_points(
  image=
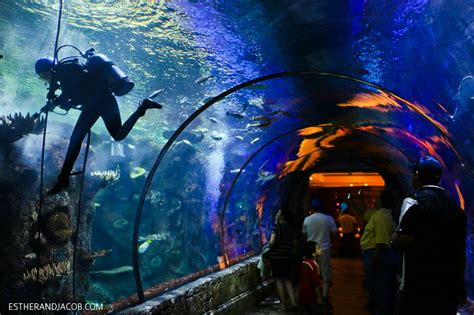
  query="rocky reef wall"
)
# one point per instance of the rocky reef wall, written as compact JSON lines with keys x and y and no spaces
{"x":24,"y":241}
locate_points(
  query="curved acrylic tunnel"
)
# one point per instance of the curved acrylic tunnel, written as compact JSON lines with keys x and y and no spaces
{"x":251,"y":150}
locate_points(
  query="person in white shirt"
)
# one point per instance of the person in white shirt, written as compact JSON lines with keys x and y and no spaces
{"x":321,"y":228}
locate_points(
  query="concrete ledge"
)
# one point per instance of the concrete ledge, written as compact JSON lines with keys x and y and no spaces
{"x":246,"y":301}
{"x":238,"y":287}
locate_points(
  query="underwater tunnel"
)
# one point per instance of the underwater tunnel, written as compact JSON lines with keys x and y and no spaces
{"x":319,"y":122}
{"x":261,"y":101}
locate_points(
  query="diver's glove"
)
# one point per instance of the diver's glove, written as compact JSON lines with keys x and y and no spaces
{"x":67,"y":105}
{"x":48,"y":107}
{"x":51,"y":96}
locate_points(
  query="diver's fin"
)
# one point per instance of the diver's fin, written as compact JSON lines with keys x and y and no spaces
{"x":148,"y":104}
{"x":62,"y":184}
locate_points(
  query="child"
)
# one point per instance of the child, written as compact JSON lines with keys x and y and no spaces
{"x":310,"y":280}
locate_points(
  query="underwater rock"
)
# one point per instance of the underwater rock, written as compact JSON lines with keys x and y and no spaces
{"x":177,"y":265}
{"x":100,"y":294}
{"x":156,"y":263}
{"x":13,"y":128}
{"x":21,"y":244}
{"x":198,"y":262}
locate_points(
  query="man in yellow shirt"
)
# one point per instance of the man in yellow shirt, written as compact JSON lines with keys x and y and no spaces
{"x":380,"y":261}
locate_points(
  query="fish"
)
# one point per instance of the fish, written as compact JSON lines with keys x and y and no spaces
{"x":144,"y":246}
{"x":264,"y":176}
{"x":239,"y":138}
{"x":30,"y":256}
{"x":200,"y":130}
{"x":155,"y":93}
{"x":262,"y":118}
{"x":216,"y":136}
{"x":203,"y":79}
{"x":191,"y":187}
{"x":214,"y":120}
{"x":281,"y":112}
{"x":254,"y":140}
{"x":187,"y":142}
{"x":194,"y":136}
{"x":137,"y":172}
{"x":261,"y":125}
{"x":235,"y":114}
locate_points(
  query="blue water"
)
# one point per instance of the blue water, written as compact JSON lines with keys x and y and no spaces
{"x":195,"y":50}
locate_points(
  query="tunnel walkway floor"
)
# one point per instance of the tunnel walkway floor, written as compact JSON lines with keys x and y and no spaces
{"x":347,"y":294}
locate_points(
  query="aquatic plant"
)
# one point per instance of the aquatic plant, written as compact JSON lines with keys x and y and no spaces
{"x":14,"y":127}
{"x":47,"y":272}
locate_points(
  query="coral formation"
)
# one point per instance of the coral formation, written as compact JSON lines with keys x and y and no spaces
{"x":58,"y":229}
{"x":111,"y":176}
{"x":47,"y":272}
{"x":14,"y":127}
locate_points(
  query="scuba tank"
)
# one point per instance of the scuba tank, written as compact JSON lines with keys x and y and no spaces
{"x":116,"y":79}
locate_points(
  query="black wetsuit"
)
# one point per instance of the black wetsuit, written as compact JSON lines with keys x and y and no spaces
{"x":80,"y":87}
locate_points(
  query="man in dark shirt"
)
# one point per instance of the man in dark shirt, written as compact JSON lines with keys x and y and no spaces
{"x":91,"y":90}
{"x":431,"y":235}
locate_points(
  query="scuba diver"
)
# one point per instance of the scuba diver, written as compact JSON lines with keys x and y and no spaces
{"x":93,"y":86}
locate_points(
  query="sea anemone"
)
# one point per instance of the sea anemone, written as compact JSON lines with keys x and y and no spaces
{"x":14,"y":127}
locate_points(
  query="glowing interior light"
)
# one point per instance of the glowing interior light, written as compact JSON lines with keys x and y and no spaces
{"x":380,"y":101}
{"x":364,"y":185}
{"x":351,"y":185}
{"x":341,"y":235}
{"x":460,"y":196}
{"x":221,"y":261}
